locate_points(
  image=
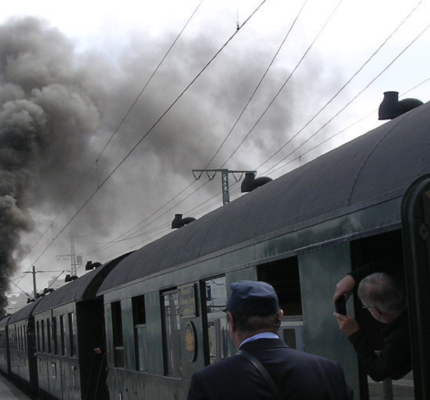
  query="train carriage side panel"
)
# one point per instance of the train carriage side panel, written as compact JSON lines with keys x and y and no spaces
{"x":307,"y":217}
{"x":21,"y":329}
{"x":4,"y":347}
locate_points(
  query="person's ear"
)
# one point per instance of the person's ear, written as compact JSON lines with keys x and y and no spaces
{"x":231,"y":321}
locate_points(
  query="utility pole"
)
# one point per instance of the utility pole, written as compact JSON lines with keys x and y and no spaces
{"x":34,"y":272}
{"x":224,"y":179}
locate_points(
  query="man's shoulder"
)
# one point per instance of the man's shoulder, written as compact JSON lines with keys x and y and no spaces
{"x":223,"y":367}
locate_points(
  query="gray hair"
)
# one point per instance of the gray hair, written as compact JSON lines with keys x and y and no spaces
{"x":381,"y":291}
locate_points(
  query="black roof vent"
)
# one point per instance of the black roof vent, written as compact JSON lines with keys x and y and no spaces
{"x":250,"y":182}
{"x":91,"y":265}
{"x":70,"y":278}
{"x":391,"y":107}
{"x":179,"y":222}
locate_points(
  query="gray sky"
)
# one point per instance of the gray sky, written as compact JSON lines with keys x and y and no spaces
{"x":108,"y":163}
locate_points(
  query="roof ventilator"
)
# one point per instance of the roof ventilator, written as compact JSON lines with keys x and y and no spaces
{"x":391,"y":107}
{"x":250,"y":182}
{"x":92,"y":265}
{"x":179,"y":222}
{"x":70,"y":278}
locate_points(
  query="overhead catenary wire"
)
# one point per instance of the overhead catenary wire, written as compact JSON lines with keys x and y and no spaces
{"x":357,"y":72}
{"x":175,"y":197}
{"x":257,"y":86}
{"x":361,"y":91}
{"x":286,"y":81}
{"x":345,"y":85}
{"x":234,"y":125}
{"x":146,"y":134}
{"x":74,"y":191}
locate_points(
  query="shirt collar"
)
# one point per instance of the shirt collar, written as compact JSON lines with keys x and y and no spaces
{"x":263,"y":335}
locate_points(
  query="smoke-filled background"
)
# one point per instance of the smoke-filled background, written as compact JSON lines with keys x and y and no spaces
{"x":105,"y":112}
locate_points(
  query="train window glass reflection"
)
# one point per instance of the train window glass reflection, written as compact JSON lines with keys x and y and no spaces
{"x":172,"y":333}
{"x":220,"y":344}
{"x":72,"y":335}
{"x":139,"y":322}
{"x":118,"y":340}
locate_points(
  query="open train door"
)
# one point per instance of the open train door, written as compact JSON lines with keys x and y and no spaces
{"x":416,"y":242}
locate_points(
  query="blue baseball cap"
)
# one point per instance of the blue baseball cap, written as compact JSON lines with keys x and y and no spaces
{"x":251,"y":298}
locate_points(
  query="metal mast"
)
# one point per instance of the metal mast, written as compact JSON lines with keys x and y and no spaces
{"x":224,"y":179}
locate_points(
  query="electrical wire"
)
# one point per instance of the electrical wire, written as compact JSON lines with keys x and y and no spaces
{"x":354,"y":75}
{"x":258,"y":86}
{"x":84,"y":178}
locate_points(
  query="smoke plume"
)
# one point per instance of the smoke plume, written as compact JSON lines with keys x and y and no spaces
{"x":46,"y":122}
{"x":59,"y":107}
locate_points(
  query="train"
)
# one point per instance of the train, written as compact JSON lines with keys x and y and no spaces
{"x":139,"y":326}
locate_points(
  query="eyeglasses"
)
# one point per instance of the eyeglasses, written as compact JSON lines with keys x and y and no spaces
{"x":366,"y":307}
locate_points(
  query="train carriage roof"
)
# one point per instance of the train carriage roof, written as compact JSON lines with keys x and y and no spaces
{"x":83,"y":288}
{"x":4,"y":321}
{"x":25,"y":312}
{"x":371,"y":169}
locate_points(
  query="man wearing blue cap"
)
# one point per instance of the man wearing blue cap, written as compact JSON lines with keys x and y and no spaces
{"x":255,"y":317}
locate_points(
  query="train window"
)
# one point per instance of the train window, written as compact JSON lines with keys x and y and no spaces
{"x":284,"y":276}
{"x":54,"y":335}
{"x":172,"y":333}
{"x":220,"y":344}
{"x":72,"y":334}
{"x":24,"y":337}
{"x":42,"y":328}
{"x":118,"y":341}
{"x":62,"y":336}
{"x":48,"y":331}
{"x":38,"y":335}
{"x":139,"y":322}
{"x":364,"y":251}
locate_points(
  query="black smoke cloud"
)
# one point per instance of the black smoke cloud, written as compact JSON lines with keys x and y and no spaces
{"x":47,"y":119}
{"x":59,"y":107}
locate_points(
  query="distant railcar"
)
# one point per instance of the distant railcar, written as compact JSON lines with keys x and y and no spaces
{"x":69,"y":326}
{"x":4,"y":347}
{"x":22,"y":344}
{"x":302,"y":233}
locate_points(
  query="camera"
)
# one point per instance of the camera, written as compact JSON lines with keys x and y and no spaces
{"x":340,"y":305}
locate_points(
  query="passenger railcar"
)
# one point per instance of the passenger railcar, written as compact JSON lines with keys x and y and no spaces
{"x":69,"y":325}
{"x":4,"y":347}
{"x":49,"y":347}
{"x":302,"y":233}
{"x":21,"y":343}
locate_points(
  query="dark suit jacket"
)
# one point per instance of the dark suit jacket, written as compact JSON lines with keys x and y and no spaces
{"x":298,"y":375}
